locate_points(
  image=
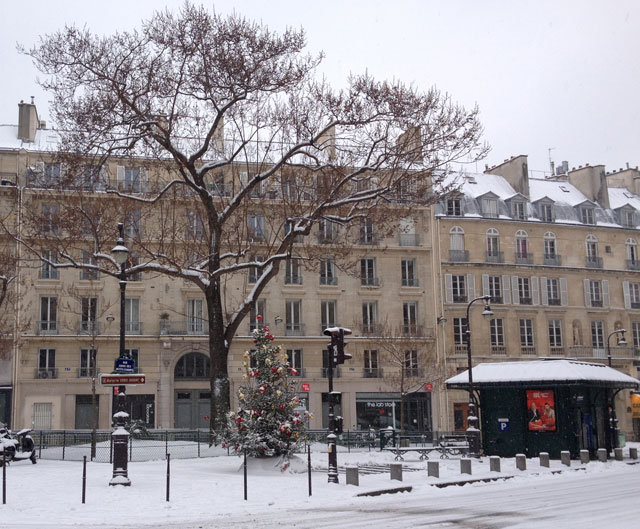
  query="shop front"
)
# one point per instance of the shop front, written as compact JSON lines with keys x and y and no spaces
{"x":381,"y":410}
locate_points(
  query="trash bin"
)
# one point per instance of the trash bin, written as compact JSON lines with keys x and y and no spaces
{"x":622,"y":440}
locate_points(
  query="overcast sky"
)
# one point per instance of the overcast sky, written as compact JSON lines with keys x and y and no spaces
{"x":561,"y":75}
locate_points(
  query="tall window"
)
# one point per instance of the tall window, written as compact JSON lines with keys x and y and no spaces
{"x":456,"y":238}
{"x":496,"y":327}
{"x":635,"y":333}
{"x":634,"y":295}
{"x":369,"y":316}
{"x":553,"y":291}
{"x":195,"y":228}
{"x":597,"y":334}
{"x":129,"y":179}
{"x":371,"y":363}
{"x":368,"y":271}
{"x":47,"y":270}
{"x":550,"y":245}
{"x":328,"y":272}
{"x":132,"y":224}
{"x":458,"y":283}
{"x":524,"y":291}
{"x":410,"y":317}
{"x":366,"y":232}
{"x":546,"y":212}
{"x":555,"y":333}
{"x":409,"y":278}
{"x":88,"y":274}
{"x":294,"y":357}
{"x":592,"y":248}
{"x":495,"y":289}
{"x":89,"y":308}
{"x":52,"y":173}
{"x":87,"y":362}
{"x":526,"y":332}
{"x":595,"y":292}
{"x":258,"y":308}
{"x":453,"y":207}
{"x":254,"y":271}
{"x":193,"y":365}
{"x":326,"y":231}
{"x":48,"y":314}
{"x":255,"y":226}
{"x":134,"y":354}
{"x":293,"y":317}
{"x":328,"y":313}
{"x":632,"y":250}
{"x":520,"y":210}
{"x":522,"y":244}
{"x":50,"y":219}
{"x":292,"y":274}
{"x":459,"y":330}
{"x":195,"y":322}
{"x":47,"y":363}
{"x":490,"y":208}
{"x":493,"y":243}
{"x":411,"y":363}
{"x":132,"y":315}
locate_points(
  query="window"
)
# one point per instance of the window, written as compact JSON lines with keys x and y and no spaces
{"x":526,"y":332}
{"x":456,"y":238}
{"x":51,"y":174}
{"x":628,"y":218}
{"x":550,"y":245}
{"x":130,"y":179}
{"x":409,"y":278}
{"x":293,"y":317}
{"x":632,"y":251}
{"x":524,"y":291}
{"x":88,"y":274}
{"x":132,"y":315}
{"x":368,"y":272}
{"x":453,"y":207}
{"x":586,"y":214}
{"x":635,"y":332}
{"x":47,"y":270}
{"x":631,"y":294}
{"x":459,"y":288}
{"x":411,"y":363}
{"x":256,"y":226}
{"x":371,"y":363}
{"x":89,"y":308}
{"x":192,"y":365}
{"x":410,"y":317}
{"x":294,"y":357}
{"x":326,"y":231}
{"x":46,"y":363}
{"x":493,"y":243}
{"x":369,"y":316}
{"x":490,"y":208}
{"x":88,"y":362}
{"x":258,"y":308}
{"x":553,"y":291}
{"x":254,"y":271}
{"x":195,"y":228}
{"x":328,"y":272}
{"x":133,"y":260}
{"x":555,"y":333}
{"x":459,"y":330}
{"x":592,"y":247}
{"x":328,"y":313}
{"x":42,"y":414}
{"x":134,"y":354}
{"x":522,"y":245}
{"x":520,"y":210}
{"x":48,"y":315}
{"x":366,"y":232}
{"x":595,"y":293}
{"x":195,"y":319}
{"x":496,"y":327}
{"x":494,"y":287}
{"x":597,"y":334}
{"x":292,"y":274}
{"x":132,"y":223}
{"x":50,"y":219}
{"x":546,"y":212}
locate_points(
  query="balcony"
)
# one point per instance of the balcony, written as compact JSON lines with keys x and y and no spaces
{"x":326,"y":238}
{"x":527,"y":350}
{"x":408,"y":239}
{"x":635,"y":304}
{"x":495,"y":257}
{"x":412,"y":372}
{"x":293,"y":280}
{"x":459,"y":256}
{"x":412,"y":329}
{"x":460,"y":349}
{"x":596,"y":303}
{"x":557,"y":351}
{"x":49,"y":273}
{"x":410,"y":282}
{"x":524,"y":258}
{"x":87,"y":372}
{"x":46,"y":372}
{"x":294,"y":329}
{"x":526,"y":301}
{"x":328,"y":280}
{"x":499,"y":350}
{"x":554,"y":302}
{"x":369,"y":239}
{"x":552,"y":260}
{"x":617,"y":352}
{"x":89,"y":327}
{"x":47,"y":327}
{"x":593,"y":261}
{"x":370,"y":329}
{"x":336,"y":372}
{"x":496,"y":300}
{"x":459,"y":298}
{"x":195,"y":326}
{"x":254,"y":325}
{"x":133,"y":327}
{"x":632,"y":264}
{"x":218,"y":189}
{"x":299,"y":372}
{"x":370,"y":281}
{"x":372,"y":372}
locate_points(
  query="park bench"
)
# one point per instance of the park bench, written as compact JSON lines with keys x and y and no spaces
{"x":448,"y":445}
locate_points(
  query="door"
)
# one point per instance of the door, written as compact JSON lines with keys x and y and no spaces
{"x":84,"y":411}
{"x":460,"y":414}
{"x":192,"y":408}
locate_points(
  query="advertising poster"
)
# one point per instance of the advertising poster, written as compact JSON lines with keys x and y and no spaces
{"x":635,"y":406}
{"x":541,"y":410}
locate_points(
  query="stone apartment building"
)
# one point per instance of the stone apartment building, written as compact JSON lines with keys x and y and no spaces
{"x":558,"y":257}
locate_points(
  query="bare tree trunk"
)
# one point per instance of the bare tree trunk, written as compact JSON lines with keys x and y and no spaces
{"x":219,"y":353}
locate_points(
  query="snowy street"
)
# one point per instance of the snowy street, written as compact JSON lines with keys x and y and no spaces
{"x":208,"y":493}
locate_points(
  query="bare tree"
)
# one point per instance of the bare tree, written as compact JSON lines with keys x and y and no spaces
{"x":242,"y":149}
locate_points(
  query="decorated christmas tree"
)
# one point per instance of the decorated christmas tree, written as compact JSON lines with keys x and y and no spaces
{"x":268,"y":421}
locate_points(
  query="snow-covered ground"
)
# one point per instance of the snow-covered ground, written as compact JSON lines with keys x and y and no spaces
{"x":208,"y":492}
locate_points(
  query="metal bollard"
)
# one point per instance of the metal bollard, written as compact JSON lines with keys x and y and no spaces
{"x":396,"y":471}
{"x":544,"y":459}
{"x":633,"y":453}
{"x":465,"y":466}
{"x":617,"y":454}
{"x":494,"y":464}
{"x":521,"y":462}
{"x":565,"y":458}
{"x":433,"y":469}
{"x":602,"y":454}
{"x":352,"y":476}
{"x":584,"y":457}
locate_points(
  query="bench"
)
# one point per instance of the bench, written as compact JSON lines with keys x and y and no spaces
{"x":456,"y":445}
{"x":424,"y":451}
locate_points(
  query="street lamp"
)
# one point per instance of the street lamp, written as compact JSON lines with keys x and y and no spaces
{"x":120,"y":436}
{"x":473,"y":430}
{"x":613,"y":420}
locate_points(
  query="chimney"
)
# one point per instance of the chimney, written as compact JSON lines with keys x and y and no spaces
{"x":28,"y":121}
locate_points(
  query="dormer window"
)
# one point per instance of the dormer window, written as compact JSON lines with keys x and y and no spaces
{"x":587,"y":215}
{"x":628,"y":218}
{"x":546,"y":212}
{"x":453,"y":207}
{"x":490,"y":208}
{"x":520,"y":210}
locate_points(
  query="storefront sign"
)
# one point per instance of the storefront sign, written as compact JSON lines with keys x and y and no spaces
{"x":306,"y":387}
{"x":379,"y":404}
{"x":541,"y":412}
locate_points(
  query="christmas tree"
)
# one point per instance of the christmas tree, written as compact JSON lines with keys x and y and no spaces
{"x":268,"y":421}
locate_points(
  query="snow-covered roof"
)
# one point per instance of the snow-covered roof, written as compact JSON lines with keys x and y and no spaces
{"x":558,"y":191}
{"x":620,"y":196}
{"x":45,"y":139}
{"x":553,"y":371}
{"x":478,"y":184}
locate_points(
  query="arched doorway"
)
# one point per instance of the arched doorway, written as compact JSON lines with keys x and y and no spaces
{"x":192,"y":396}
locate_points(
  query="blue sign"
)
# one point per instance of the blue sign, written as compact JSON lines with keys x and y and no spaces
{"x":124,"y":364}
{"x":503,"y":424}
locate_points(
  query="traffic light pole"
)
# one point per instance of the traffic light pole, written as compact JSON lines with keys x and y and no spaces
{"x":332,"y":437}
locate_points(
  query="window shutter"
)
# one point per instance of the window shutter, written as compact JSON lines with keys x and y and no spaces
{"x":587,"y":293}
{"x":534,"y":291}
{"x":485,"y":284}
{"x":514,"y":290}
{"x":564,"y":292}
{"x":544,"y":294}
{"x":471,"y":286}
{"x":506,"y":290}
{"x":40,"y":168}
{"x":63,"y":170}
{"x":448,"y":287}
{"x":606,"y":300}
{"x":627,"y":294}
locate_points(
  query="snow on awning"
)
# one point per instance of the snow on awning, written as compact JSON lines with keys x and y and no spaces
{"x":556,"y":372}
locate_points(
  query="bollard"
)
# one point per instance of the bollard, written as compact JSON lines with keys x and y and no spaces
{"x":521,"y":462}
{"x":309,"y":466}
{"x":84,"y":478}
{"x":396,"y":471}
{"x":433,"y":468}
{"x":352,"y":476}
{"x":565,"y":458}
{"x":602,"y":454}
{"x":245,"y":475}
{"x":617,"y":454}
{"x":465,"y":466}
{"x":633,"y":453}
{"x":4,"y":477}
{"x":544,"y":459}
{"x":168,"y":476}
{"x":584,"y":456}
{"x":494,"y":464}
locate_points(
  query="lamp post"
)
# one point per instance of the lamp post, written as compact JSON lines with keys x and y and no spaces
{"x":613,"y":420}
{"x":120,"y":435}
{"x":473,"y":430}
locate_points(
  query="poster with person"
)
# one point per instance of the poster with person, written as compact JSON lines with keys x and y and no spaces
{"x":541,"y":410}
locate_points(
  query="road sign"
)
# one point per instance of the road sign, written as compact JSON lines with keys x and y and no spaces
{"x":428,"y":387}
{"x":117,"y":379}
{"x":306,"y":387}
{"x":124,"y":364}
{"x":503,"y":424}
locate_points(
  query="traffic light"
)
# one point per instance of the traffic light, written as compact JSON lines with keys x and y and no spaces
{"x":337,"y":345}
{"x":339,"y":425}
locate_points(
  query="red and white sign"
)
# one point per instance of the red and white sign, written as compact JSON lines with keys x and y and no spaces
{"x":306,"y":387}
{"x":428,"y":387}
{"x":122,"y":380}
